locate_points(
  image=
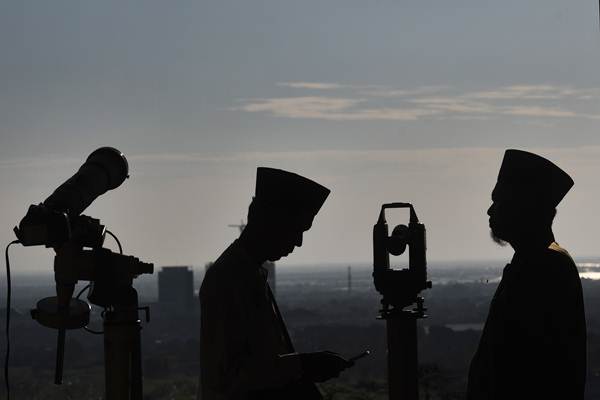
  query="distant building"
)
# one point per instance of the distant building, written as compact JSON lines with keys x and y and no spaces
{"x":176,"y":288}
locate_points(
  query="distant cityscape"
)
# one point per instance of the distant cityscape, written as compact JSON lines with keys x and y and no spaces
{"x":329,"y":307}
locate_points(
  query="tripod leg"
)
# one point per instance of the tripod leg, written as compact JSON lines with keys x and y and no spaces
{"x":122,"y":349}
{"x":117,"y":357}
{"x":402,"y":357}
{"x":60,"y":357}
{"x":136,"y":364}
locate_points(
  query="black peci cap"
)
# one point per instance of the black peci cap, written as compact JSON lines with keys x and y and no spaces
{"x":286,"y":190}
{"x":530,"y":177}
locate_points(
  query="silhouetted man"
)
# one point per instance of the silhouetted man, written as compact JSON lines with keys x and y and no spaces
{"x":533,"y":345}
{"x":246,"y":352}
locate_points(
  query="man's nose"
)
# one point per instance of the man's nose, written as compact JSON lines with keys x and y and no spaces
{"x":490,"y":210}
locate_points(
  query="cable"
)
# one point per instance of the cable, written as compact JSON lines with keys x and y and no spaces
{"x":93,"y":331}
{"x":116,"y":239}
{"x":8,"y":293}
{"x":85,"y":327}
{"x":88,"y":286}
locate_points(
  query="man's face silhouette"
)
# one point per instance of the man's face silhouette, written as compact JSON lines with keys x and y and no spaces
{"x":285,"y":235}
{"x":277,"y":231}
{"x":503,"y":217}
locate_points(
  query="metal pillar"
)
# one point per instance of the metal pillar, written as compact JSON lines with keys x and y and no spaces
{"x":403,"y":382}
{"x":122,"y":351}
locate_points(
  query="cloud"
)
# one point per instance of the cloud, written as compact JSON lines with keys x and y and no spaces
{"x":381,"y":103}
{"x":536,"y":111}
{"x":534,"y":92}
{"x":390,"y":92}
{"x":454,"y":105}
{"x":332,"y":109}
{"x":301,"y":107}
{"x":311,"y":85}
{"x":522,"y":92}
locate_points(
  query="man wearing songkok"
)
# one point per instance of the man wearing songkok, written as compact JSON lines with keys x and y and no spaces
{"x":533,"y":345}
{"x":245,"y":350}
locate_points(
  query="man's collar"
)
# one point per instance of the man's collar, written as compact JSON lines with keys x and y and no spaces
{"x":523,"y":254}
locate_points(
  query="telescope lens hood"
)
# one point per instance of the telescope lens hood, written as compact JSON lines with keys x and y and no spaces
{"x":113,"y":162}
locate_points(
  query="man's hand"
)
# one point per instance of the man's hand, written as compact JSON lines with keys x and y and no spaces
{"x":323,"y":365}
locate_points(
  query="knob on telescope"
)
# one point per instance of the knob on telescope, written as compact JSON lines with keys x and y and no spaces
{"x":398,"y":240}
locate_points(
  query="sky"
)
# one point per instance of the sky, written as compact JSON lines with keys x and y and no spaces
{"x":380,"y":101}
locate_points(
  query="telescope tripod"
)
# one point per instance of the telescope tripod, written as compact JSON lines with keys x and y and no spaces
{"x":122,"y":348}
{"x":111,"y":277}
{"x":403,"y":368}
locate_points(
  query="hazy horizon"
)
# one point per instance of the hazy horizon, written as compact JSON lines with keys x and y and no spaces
{"x":334,"y":266}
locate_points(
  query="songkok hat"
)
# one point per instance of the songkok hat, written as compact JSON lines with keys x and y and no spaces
{"x":528,"y":177}
{"x":285,"y":190}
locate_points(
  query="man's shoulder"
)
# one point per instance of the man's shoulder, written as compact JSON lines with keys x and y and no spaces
{"x":559,"y":264}
{"x":229,"y":259}
{"x":559,"y":257}
{"x":557,"y":250}
{"x":549,"y":266}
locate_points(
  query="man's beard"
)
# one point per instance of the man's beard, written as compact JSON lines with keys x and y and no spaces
{"x":496,"y":239}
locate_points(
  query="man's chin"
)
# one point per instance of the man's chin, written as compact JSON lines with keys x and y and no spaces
{"x":277,"y":257}
{"x":497,"y":240}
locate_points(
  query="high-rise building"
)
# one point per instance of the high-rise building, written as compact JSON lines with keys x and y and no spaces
{"x":176,"y":288}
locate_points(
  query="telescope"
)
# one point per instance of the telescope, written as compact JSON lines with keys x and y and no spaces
{"x":400,"y":289}
{"x":77,"y":240}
